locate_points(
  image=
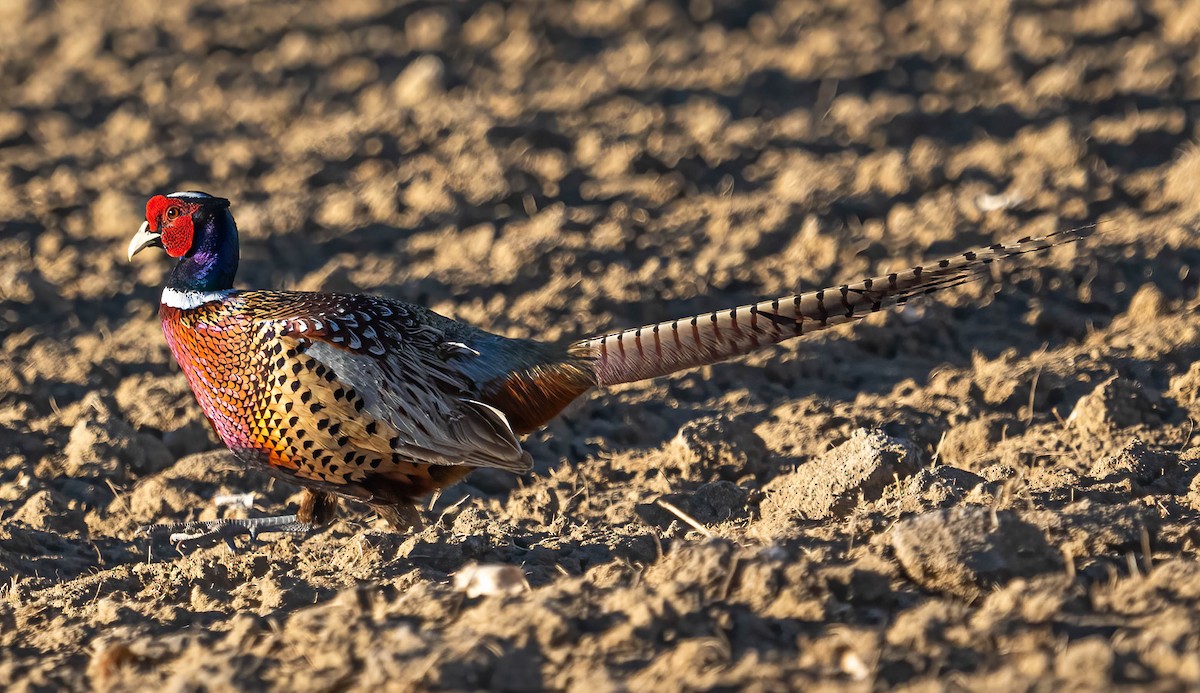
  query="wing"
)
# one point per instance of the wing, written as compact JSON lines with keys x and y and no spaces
{"x":357,"y":386}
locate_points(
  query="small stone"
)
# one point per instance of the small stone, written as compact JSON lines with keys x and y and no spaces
{"x":1115,"y":403}
{"x":998,"y":471}
{"x":719,"y":447}
{"x":940,"y":487}
{"x":966,"y":551}
{"x":830,"y":485}
{"x":716,"y":502}
{"x":1134,"y":461}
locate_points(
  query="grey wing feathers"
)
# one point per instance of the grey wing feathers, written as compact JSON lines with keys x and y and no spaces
{"x":424,"y":401}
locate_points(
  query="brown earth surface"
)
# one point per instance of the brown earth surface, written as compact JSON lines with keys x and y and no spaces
{"x":990,"y":491}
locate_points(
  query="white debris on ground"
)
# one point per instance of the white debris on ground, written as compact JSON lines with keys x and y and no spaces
{"x":490,"y":579}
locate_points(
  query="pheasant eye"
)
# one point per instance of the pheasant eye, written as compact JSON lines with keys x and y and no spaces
{"x":172,"y":213}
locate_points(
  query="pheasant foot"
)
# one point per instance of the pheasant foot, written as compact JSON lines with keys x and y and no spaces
{"x":197,"y":534}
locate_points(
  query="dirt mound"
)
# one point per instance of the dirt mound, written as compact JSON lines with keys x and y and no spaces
{"x":987,"y":491}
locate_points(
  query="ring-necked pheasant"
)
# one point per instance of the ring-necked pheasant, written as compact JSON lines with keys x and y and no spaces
{"x":383,"y":402}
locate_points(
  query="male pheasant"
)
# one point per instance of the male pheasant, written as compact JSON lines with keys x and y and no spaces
{"x":383,"y":402}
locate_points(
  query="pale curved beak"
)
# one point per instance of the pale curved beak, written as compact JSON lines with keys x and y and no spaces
{"x":144,"y":238}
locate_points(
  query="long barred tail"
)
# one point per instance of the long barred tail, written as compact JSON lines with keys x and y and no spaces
{"x":653,"y":350}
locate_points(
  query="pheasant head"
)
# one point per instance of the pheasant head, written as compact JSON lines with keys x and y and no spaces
{"x":198,"y":229}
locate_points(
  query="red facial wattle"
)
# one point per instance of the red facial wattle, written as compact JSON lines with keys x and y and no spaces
{"x":173,"y":220}
{"x":177,"y":235}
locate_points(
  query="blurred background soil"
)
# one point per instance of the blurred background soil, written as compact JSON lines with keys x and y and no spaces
{"x":989,"y":491}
